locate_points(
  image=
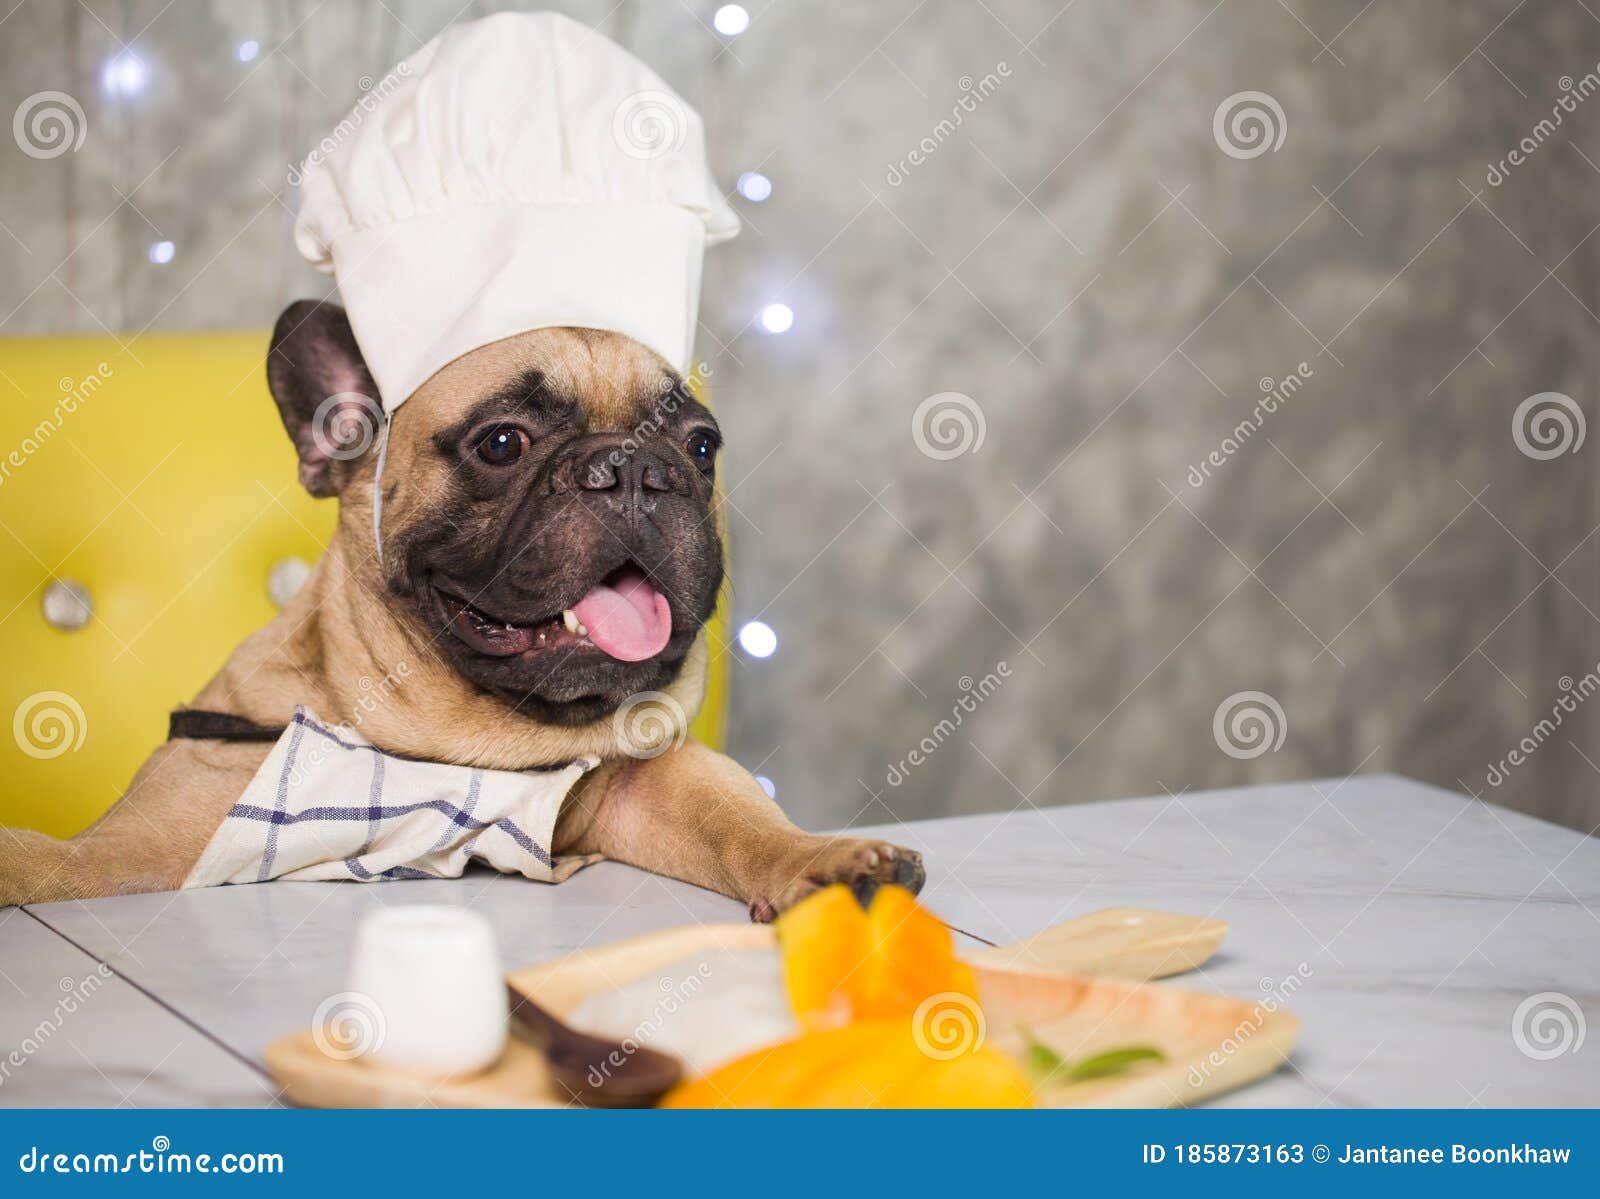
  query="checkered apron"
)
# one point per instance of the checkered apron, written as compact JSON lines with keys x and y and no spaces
{"x":326,"y":805}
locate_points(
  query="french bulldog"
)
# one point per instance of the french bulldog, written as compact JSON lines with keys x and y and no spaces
{"x":551,"y":546}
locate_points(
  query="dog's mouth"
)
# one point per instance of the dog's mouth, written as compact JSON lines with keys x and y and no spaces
{"x":624,"y":616}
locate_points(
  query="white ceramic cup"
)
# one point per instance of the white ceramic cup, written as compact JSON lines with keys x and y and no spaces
{"x":431,"y":976}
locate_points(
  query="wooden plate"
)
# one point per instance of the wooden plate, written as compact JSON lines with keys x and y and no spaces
{"x":1132,"y":943}
{"x":1212,"y":1043}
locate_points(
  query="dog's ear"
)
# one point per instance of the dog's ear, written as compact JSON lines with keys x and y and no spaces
{"x":325,"y":394}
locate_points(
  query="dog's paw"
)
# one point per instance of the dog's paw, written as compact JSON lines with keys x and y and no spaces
{"x":861,"y":865}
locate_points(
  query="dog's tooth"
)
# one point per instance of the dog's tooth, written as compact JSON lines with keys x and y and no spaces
{"x":569,"y":618}
{"x":582,"y":630}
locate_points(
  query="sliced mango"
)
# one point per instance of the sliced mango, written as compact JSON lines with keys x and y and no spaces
{"x":890,"y":1018}
{"x":842,"y":964}
{"x":772,"y":1075}
{"x":874,"y":1063}
{"x":983,"y":1078}
{"x":827,"y":955}
{"x":913,"y":957}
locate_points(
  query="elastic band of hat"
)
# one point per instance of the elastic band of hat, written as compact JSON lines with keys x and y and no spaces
{"x":377,"y":487}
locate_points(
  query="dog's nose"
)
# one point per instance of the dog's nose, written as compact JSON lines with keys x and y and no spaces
{"x":633,"y":471}
{"x":624,"y":471}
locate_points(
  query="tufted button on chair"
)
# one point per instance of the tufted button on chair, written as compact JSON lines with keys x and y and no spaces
{"x":150,"y":520}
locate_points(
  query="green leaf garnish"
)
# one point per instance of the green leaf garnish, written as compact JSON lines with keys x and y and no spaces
{"x":1113,"y":1061}
{"x":1042,"y":1062}
{"x":1047,"y":1067}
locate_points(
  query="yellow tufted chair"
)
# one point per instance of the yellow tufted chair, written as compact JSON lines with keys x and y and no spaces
{"x":155,"y":475}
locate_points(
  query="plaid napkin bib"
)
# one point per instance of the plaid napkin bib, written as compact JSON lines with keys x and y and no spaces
{"x":328,"y":805}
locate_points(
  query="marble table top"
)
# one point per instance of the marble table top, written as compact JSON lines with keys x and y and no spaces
{"x":1448,"y":951}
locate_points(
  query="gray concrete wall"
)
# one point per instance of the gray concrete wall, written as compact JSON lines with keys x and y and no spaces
{"x":1107,"y":285}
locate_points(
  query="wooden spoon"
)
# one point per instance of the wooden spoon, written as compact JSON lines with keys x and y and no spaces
{"x":592,"y":1070}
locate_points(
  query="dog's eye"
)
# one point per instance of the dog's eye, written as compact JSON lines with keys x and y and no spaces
{"x":702,"y":448}
{"x":502,"y":445}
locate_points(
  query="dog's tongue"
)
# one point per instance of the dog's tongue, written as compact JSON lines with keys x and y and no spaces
{"x":627,"y":618}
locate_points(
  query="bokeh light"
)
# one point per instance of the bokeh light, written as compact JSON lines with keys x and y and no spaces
{"x":757,"y":639}
{"x":777,"y":318}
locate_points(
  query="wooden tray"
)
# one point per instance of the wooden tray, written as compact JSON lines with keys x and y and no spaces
{"x":310,"y":1078}
{"x":1212,"y":1043}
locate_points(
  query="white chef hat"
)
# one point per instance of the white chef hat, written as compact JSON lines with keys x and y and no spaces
{"x":517,"y":172}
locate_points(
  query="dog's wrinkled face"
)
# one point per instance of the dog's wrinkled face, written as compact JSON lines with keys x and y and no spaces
{"x":564,"y":545}
{"x":548,"y":506}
